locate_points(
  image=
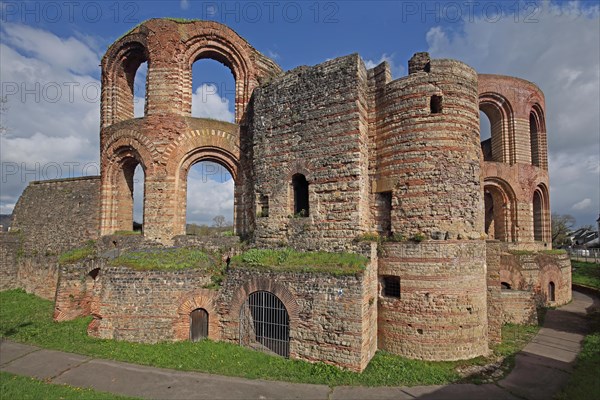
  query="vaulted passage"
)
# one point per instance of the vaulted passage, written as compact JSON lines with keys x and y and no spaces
{"x":265,"y":324}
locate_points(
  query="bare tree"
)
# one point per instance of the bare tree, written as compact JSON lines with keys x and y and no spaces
{"x":561,"y":225}
{"x":219,"y":221}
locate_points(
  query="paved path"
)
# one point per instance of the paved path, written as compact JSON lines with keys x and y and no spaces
{"x":542,"y":368}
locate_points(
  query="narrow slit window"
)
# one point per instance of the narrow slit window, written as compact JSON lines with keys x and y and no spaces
{"x":435,"y":104}
{"x":301,"y":205}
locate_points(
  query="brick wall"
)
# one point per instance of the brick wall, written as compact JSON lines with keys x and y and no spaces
{"x":10,"y":246}
{"x":519,"y":307}
{"x":442,"y":310}
{"x":312,"y":121}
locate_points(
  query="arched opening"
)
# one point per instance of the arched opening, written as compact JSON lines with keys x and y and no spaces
{"x":94,"y":274}
{"x":129,"y":184}
{"x":301,"y":195}
{"x":496,"y":131}
{"x":498,"y":208}
{"x":265,"y":324}
{"x":198,"y":324}
{"x":505,"y":286}
{"x":210,"y":199}
{"x":139,"y":90}
{"x":213,"y":89}
{"x":138,"y":198}
{"x":485,"y":131}
{"x":551,"y":291}
{"x":538,"y":217}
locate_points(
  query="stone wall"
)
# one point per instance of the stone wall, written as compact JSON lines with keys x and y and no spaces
{"x":57,"y":215}
{"x":441,"y":313}
{"x":519,"y":307}
{"x":332,"y":318}
{"x":10,"y":249}
{"x":312,"y":121}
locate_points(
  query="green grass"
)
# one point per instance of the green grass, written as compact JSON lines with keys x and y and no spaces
{"x":584,"y":383}
{"x":165,"y":259}
{"x":78,"y":254}
{"x":25,"y":388}
{"x":289,"y":260}
{"x":26,"y":318}
{"x":587,"y":274}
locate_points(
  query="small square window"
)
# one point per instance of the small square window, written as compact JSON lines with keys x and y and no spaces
{"x":391,"y":286}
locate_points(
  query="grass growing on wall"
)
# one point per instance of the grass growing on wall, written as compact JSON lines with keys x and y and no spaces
{"x":78,"y":254}
{"x":296,"y":261}
{"x":25,"y":388}
{"x":165,"y":259}
{"x":28,"y":319}
{"x":587,"y":274}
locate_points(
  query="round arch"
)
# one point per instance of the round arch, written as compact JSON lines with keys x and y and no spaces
{"x":201,"y":298}
{"x":541,"y":213}
{"x":501,"y":115}
{"x":119,"y":66}
{"x":266,"y":285}
{"x":501,"y":213}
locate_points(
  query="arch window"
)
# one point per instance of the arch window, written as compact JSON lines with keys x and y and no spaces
{"x":301,"y":197}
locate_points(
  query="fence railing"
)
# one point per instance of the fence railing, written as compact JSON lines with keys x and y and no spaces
{"x":586,"y":255}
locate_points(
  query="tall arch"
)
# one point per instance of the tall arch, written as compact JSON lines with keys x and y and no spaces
{"x":541,"y":214}
{"x":119,"y":67}
{"x":501,"y":116}
{"x":537,"y":131}
{"x":500,"y":210}
{"x":222,"y":47}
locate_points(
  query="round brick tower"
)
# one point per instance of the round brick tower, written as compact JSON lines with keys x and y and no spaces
{"x":429,"y":163}
{"x":167,"y":141}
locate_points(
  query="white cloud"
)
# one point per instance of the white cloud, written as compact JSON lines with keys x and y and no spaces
{"x":583,"y":204}
{"x":209,"y":193}
{"x":396,"y":69}
{"x":561,"y":54}
{"x":184,"y":4}
{"x":70,"y":53}
{"x":52,"y":118}
{"x":206,"y":103}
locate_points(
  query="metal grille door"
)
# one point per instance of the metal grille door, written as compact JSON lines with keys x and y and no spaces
{"x":265,"y":324}
{"x":198,"y":324}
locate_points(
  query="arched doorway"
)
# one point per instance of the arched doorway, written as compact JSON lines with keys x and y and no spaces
{"x":198,"y":324}
{"x":265,"y":324}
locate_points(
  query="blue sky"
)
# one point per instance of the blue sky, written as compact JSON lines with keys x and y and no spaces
{"x":52,"y":129}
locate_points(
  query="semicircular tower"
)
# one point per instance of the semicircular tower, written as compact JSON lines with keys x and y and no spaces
{"x":167,"y":141}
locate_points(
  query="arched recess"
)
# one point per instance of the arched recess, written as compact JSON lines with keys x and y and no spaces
{"x":512,"y":277}
{"x":120,"y":161}
{"x":222,"y":49}
{"x":551,"y":273}
{"x":500,"y":210}
{"x":119,"y":67}
{"x":537,"y":129}
{"x":199,"y":299}
{"x":541,"y":214}
{"x":266,"y":285}
{"x":501,"y":116}
{"x":206,"y":153}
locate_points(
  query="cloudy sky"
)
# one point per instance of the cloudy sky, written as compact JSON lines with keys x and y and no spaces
{"x":50,"y":52}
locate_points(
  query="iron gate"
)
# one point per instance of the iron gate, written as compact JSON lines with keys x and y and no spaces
{"x":265,"y":324}
{"x":198,"y":324}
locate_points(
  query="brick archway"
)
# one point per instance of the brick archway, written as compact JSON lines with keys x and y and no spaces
{"x":500,"y":113}
{"x":201,"y":298}
{"x":267,"y":285}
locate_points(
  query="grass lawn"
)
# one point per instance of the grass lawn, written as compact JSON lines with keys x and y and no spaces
{"x":587,"y":274}
{"x":25,"y":388}
{"x":28,"y":319}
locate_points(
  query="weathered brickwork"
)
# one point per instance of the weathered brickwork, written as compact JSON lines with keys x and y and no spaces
{"x":54,"y":216}
{"x":518,"y":307}
{"x":441,"y":313}
{"x":322,"y":157}
{"x":332,"y":319}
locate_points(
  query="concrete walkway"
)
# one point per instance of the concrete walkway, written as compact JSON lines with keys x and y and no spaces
{"x":542,"y":368}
